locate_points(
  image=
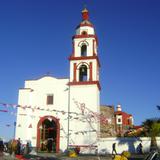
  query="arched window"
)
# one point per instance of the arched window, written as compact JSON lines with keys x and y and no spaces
{"x":83,"y":73}
{"x":83,"y":50}
{"x":84,"y":33}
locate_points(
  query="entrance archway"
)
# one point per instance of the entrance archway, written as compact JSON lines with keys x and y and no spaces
{"x":48,"y":134}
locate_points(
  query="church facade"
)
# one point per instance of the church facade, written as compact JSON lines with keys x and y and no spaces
{"x":64,"y":111}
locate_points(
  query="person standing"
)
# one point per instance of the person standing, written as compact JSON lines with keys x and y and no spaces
{"x":1,"y":148}
{"x":49,"y":144}
{"x":26,"y":149}
{"x":18,"y":146}
{"x":114,"y":149}
{"x":140,"y":148}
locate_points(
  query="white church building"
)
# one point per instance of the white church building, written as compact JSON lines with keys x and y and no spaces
{"x":64,"y":110}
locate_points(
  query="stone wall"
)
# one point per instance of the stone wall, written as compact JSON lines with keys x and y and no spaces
{"x":107,"y":128}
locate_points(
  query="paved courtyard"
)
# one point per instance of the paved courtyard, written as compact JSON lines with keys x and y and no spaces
{"x":47,"y":156}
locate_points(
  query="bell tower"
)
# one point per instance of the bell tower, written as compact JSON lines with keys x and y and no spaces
{"x":84,"y":84}
{"x":84,"y":61}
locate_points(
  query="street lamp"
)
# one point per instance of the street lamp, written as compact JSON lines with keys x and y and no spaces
{"x":14,"y":130}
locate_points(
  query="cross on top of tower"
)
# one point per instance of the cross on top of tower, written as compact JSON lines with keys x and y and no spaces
{"x":85,"y":14}
{"x":85,"y":18}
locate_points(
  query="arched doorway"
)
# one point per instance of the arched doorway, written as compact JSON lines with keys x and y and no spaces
{"x":48,"y":134}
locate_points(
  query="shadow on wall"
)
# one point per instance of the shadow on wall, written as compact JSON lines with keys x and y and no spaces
{"x":128,"y":142}
{"x":104,"y":151}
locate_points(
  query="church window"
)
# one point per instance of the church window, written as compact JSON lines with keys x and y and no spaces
{"x":50,"y":99}
{"x":84,"y":33}
{"x":83,"y":73}
{"x":83,"y":50}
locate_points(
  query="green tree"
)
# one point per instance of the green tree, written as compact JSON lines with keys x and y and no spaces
{"x":152,"y":129}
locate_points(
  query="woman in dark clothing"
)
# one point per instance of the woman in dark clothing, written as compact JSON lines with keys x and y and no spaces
{"x":49,"y":145}
{"x":18,"y":146}
{"x":1,"y":148}
{"x":114,"y":148}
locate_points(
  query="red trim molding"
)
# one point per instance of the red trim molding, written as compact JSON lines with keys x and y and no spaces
{"x":86,"y":36}
{"x":93,"y":47}
{"x":90,"y":66}
{"x":83,"y":25}
{"x":58,"y":131}
{"x":73,"y":47}
{"x":74,"y":72}
{"x":86,"y":83}
{"x":85,"y":58}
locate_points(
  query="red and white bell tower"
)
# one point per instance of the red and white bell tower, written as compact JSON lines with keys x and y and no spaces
{"x":84,"y":94}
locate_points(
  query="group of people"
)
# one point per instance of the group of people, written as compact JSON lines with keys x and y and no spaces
{"x":22,"y":149}
{"x":14,"y":147}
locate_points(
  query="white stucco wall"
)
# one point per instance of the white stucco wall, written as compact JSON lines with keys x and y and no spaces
{"x":88,"y":29}
{"x":34,"y":94}
{"x":88,"y":96}
{"x":125,"y":144}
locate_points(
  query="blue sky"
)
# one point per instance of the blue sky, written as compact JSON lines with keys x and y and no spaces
{"x":35,"y":38}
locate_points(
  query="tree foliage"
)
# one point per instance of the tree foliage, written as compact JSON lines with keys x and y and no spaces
{"x":152,"y":129}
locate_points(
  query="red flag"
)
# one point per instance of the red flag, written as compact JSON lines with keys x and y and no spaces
{"x":30,"y":126}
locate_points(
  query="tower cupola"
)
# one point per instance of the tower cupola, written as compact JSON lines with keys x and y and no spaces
{"x":119,"y":108}
{"x":85,"y":27}
{"x":85,"y":14}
